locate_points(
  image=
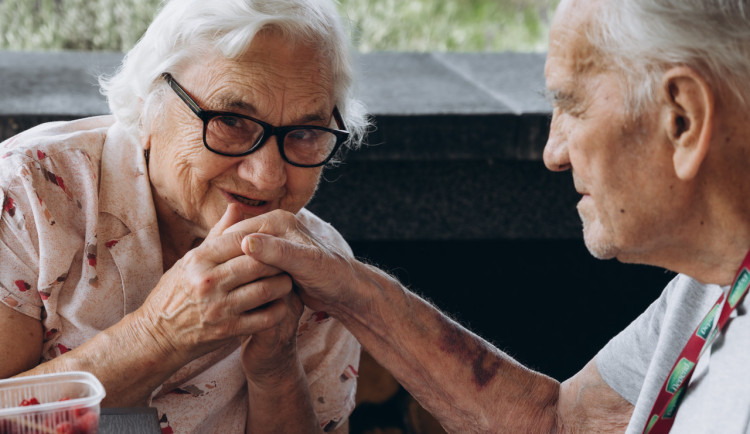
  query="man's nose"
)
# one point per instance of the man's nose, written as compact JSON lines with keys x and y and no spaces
{"x":556,"y":156}
{"x":265,"y":168}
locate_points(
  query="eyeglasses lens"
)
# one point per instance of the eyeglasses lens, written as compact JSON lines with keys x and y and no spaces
{"x":234,"y":135}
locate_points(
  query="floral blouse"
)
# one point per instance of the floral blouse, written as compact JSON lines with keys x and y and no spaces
{"x":80,"y":249}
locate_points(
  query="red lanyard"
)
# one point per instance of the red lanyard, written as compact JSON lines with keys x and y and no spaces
{"x":665,"y":408}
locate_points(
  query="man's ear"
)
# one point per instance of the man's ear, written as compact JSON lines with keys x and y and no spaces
{"x":690,"y":105}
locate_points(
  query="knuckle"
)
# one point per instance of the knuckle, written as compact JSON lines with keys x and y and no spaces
{"x":263,"y":292}
{"x":286,"y":218}
{"x":230,"y":328}
{"x":192,"y":257}
{"x":286,"y":282}
{"x":264,"y":320}
{"x":212,"y":315}
{"x":236,"y":237}
{"x":202,"y":283}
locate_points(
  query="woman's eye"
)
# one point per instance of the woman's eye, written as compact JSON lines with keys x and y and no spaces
{"x":230,"y":121}
{"x":300,"y":134}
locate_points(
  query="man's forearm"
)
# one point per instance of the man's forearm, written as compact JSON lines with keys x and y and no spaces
{"x":464,"y":381}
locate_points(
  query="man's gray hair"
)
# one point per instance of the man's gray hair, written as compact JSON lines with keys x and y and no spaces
{"x":642,"y":38}
{"x":184,"y":30}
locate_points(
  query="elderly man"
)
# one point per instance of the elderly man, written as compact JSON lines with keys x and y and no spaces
{"x":650,"y":116}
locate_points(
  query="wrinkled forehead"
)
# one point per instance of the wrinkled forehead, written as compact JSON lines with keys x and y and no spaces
{"x":570,"y":51}
{"x":272,"y":73}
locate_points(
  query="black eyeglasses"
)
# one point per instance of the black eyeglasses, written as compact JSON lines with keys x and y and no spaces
{"x":235,"y":135}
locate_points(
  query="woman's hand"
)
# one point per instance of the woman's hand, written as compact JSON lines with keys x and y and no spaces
{"x":213,"y":294}
{"x":269,"y":354}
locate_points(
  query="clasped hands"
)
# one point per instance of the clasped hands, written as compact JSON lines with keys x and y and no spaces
{"x":226,"y":289}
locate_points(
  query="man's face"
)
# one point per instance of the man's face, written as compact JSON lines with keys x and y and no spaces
{"x":620,"y":164}
{"x":277,"y":82}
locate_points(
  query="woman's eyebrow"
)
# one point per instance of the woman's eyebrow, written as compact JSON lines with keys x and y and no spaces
{"x":233,"y":104}
{"x":230,"y":103}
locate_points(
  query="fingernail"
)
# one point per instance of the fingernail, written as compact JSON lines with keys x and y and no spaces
{"x":253,"y":244}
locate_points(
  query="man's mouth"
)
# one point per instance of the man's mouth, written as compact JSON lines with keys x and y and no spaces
{"x":247,"y":201}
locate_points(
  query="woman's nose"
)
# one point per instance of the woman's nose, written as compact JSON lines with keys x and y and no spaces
{"x":264,"y":168}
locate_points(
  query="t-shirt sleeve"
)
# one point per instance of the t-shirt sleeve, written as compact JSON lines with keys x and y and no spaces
{"x":624,"y":361}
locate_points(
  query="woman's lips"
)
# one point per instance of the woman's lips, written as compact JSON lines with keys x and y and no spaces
{"x":247,"y":201}
{"x":248,"y":205}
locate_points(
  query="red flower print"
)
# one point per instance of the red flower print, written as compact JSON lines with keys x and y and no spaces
{"x":9,"y":206}
{"x":91,"y":254}
{"x":63,"y":349}
{"x":48,"y":334}
{"x":60,"y":183}
{"x":51,"y":177}
{"x":164,"y":424}
{"x":22,"y":285}
{"x":348,"y":373}
{"x":109,"y":244}
{"x":41,"y":155}
{"x":320,"y":316}
{"x":45,"y":295}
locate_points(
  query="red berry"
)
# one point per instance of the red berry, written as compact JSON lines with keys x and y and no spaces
{"x":64,"y":428}
{"x":80,"y":411}
{"x":87,"y":423}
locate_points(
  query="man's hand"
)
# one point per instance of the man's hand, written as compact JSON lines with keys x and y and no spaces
{"x":321,"y":271}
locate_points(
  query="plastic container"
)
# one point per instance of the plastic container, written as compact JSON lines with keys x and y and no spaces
{"x":68,"y":402}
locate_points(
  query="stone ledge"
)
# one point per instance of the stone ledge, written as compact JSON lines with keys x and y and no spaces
{"x":427,"y":103}
{"x":401,"y":84}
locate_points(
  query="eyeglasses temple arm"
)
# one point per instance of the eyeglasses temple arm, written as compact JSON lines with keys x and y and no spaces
{"x":182,"y":94}
{"x":339,"y":120}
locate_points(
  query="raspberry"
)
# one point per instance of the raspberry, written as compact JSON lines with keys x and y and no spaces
{"x":64,"y":428}
{"x":87,"y":423}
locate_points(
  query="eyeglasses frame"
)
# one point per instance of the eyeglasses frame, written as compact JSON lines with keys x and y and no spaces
{"x":268,"y":130}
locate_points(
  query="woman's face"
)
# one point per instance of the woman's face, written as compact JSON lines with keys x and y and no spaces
{"x":276,"y":82}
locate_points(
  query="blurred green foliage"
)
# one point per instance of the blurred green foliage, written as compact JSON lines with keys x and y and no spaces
{"x":378,"y":25}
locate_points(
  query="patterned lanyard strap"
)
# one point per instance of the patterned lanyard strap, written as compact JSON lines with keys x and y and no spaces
{"x":665,"y":408}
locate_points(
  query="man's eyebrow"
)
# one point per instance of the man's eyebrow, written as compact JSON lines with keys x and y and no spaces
{"x":560,"y":98}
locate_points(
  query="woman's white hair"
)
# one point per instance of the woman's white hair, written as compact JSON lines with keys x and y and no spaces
{"x":642,"y":38}
{"x":186,"y":29}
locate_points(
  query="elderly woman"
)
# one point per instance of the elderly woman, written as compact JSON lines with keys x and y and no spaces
{"x":120,"y":250}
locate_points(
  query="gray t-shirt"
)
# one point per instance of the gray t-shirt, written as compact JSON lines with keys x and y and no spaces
{"x":636,"y":362}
